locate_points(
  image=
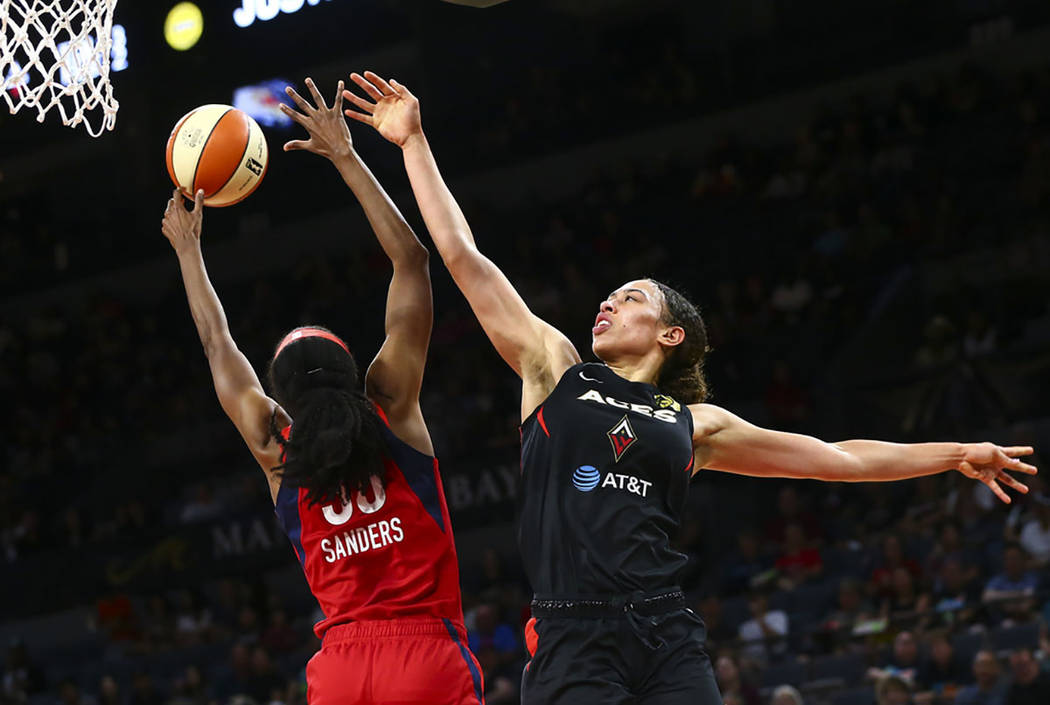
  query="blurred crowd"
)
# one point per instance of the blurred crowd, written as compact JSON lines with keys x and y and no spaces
{"x":923,"y":216}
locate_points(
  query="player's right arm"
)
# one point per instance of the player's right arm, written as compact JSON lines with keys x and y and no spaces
{"x":236,"y":384}
{"x":537,"y":351}
{"x":395,"y":376}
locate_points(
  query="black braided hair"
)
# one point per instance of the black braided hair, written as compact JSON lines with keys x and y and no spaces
{"x":682,"y":375}
{"x":336,"y":442}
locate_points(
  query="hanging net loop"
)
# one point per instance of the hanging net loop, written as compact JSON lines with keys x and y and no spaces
{"x":55,"y":58}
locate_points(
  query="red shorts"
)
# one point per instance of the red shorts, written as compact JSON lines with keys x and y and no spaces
{"x":395,"y":662}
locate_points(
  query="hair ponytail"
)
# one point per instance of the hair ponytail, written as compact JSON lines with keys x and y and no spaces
{"x":682,"y":375}
{"x":336,"y":443}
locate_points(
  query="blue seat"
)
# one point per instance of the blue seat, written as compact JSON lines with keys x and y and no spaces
{"x":847,"y":667}
{"x":1015,"y":637}
{"x":789,"y":672}
{"x":967,"y":645}
{"x":855,"y":696}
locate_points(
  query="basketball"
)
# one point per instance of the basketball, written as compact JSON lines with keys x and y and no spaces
{"x":219,"y":149}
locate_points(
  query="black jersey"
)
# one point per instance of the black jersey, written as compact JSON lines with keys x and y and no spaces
{"x":605,"y":466}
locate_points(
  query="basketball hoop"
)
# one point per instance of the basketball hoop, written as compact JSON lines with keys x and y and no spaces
{"x":55,"y":56}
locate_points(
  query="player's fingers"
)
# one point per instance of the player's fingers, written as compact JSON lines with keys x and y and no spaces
{"x":1018,"y":465}
{"x":293,"y":114}
{"x":1014,"y":463}
{"x":318,"y":98}
{"x":1018,"y":451}
{"x":379,"y":82}
{"x":994,"y":487}
{"x":1012,"y":482}
{"x":373,"y":92}
{"x":198,"y":201}
{"x":296,"y":144}
{"x":337,"y":104}
{"x":299,"y":100}
{"x":401,"y":89}
{"x":360,"y":117}
{"x":360,"y":102}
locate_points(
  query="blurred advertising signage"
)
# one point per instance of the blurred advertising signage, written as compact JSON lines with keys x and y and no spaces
{"x":81,"y":54}
{"x":266,"y":10}
{"x":262,"y":101}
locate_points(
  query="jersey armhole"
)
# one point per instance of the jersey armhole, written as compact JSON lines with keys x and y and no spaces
{"x":538,"y":411}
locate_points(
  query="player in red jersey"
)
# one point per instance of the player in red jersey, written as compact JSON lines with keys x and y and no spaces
{"x":352,"y":473}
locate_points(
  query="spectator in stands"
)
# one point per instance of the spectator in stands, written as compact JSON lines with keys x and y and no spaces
{"x":1011,"y":593}
{"x":490,"y":632}
{"x":892,"y":690}
{"x":790,"y":511}
{"x":765,"y":634}
{"x":903,"y":662}
{"x":718,"y":630}
{"x":499,"y":686}
{"x":279,"y":636}
{"x":69,"y":693}
{"x":730,"y":682}
{"x":203,"y":506}
{"x":893,"y":557}
{"x":852,"y":611}
{"x":237,"y":676}
{"x":1035,"y":533}
{"x":143,"y":691}
{"x":264,"y":680}
{"x":22,"y":677}
{"x":798,"y":563}
{"x":949,"y":545}
{"x":109,"y":691}
{"x":190,"y":689}
{"x":1030,"y":686}
{"x":192,"y":619}
{"x":941,"y":674}
{"x":989,"y":688}
{"x":747,"y":567}
{"x":786,"y":695}
{"x":956,"y":593}
{"x":906,"y":606}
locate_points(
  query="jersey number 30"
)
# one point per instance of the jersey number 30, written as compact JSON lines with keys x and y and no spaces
{"x":338,"y":518}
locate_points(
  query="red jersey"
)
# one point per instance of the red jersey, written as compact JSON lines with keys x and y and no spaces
{"x":383,"y":554}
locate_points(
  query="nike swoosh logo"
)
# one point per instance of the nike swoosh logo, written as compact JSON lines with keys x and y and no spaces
{"x":588,"y":379}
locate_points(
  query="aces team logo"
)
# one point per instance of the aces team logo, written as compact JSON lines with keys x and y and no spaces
{"x":665,"y":402}
{"x":622,"y":437}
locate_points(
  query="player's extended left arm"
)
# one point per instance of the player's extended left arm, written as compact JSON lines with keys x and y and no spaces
{"x":724,"y":441}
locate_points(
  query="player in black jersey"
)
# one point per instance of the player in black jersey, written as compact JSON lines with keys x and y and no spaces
{"x":607,"y":451}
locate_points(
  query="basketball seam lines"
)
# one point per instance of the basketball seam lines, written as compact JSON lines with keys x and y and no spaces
{"x":247,"y":143}
{"x":197,"y":166}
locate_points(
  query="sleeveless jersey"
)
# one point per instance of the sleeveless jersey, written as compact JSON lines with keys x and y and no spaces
{"x":605,"y":469}
{"x":383,"y":554}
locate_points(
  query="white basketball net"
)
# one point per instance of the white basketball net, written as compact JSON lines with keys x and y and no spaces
{"x":54,"y":55}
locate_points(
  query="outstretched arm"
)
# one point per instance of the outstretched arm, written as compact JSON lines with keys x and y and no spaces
{"x":724,"y":441}
{"x":395,"y":376}
{"x":534,"y":349}
{"x":236,"y":383}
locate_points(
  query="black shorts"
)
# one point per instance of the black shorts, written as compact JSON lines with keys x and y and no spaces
{"x":621,"y":660}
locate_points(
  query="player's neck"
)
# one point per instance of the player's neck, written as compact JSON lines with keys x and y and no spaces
{"x":644,"y":369}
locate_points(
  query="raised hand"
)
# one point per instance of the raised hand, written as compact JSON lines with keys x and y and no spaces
{"x":394,"y":113}
{"x":183,"y":227}
{"x":329,"y":134}
{"x":988,"y":463}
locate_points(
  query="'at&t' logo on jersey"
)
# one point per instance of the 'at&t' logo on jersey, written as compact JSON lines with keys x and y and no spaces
{"x":587,"y":478}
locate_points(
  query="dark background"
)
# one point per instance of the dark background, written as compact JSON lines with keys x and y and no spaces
{"x":854,"y":193}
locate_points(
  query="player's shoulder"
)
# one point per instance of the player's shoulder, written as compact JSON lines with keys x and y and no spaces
{"x":708,"y":419}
